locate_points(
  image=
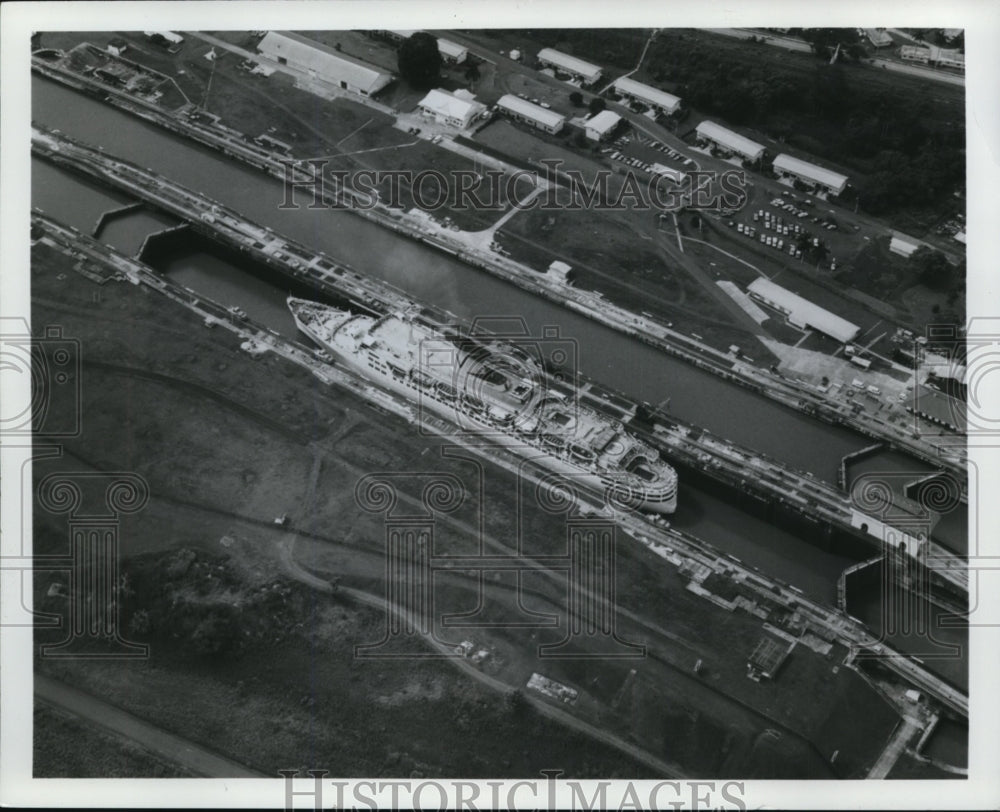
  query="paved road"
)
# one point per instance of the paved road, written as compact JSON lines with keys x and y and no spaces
{"x":923,"y":73}
{"x":173,"y":748}
{"x":788,"y":43}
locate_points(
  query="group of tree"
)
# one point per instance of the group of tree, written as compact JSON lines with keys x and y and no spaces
{"x":907,"y":151}
{"x":935,"y":271}
{"x":419,"y":61}
{"x":610,"y":47}
{"x":824,"y":41}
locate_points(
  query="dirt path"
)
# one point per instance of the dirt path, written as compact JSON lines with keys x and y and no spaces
{"x":562,"y":717}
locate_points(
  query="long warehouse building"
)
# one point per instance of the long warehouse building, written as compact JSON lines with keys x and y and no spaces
{"x":652,"y":96}
{"x":801,"y":312}
{"x":323,"y":62}
{"x":729,"y":141}
{"x":787,"y":166}
{"x":577,"y":68}
{"x":538,"y":117}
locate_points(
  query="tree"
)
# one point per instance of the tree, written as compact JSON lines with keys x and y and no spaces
{"x":419,"y":61}
{"x":932,"y":268}
{"x":824,"y":40}
{"x":472,"y":73}
{"x":597,"y":104}
{"x":576,"y":97}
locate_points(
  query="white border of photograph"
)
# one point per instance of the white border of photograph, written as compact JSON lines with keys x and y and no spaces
{"x":981,"y":21}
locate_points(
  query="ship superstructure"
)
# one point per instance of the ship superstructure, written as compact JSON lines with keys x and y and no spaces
{"x":496,"y":390}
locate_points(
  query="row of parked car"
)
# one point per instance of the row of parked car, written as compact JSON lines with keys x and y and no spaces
{"x":795,"y":211}
{"x":546,"y":105}
{"x":777,"y":223}
{"x":629,"y":161}
{"x":670,"y":152}
{"x":771,"y":241}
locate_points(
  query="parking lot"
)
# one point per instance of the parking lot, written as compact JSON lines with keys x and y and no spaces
{"x":641,"y":152}
{"x":789,"y":225}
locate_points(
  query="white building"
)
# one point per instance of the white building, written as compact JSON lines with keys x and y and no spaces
{"x":117,"y":46}
{"x":577,"y":68}
{"x":169,"y":39}
{"x":902,"y":247}
{"x":602,"y":125}
{"x":322,"y":62}
{"x":787,"y":166}
{"x":675,"y":175}
{"x":878,"y":37}
{"x":801,"y":312}
{"x":950,"y":59}
{"x":729,"y":141}
{"x":933,"y":55}
{"x":452,"y":52}
{"x":547,"y":120}
{"x":916,"y":53}
{"x":458,"y":109}
{"x":651,"y":96}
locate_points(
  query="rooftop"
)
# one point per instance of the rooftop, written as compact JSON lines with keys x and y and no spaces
{"x":804,"y":169}
{"x":452,"y":106}
{"x":452,"y":49}
{"x":603,"y":122}
{"x":729,"y":139}
{"x":570,"y":63}
{"x":324,"y":60}
{"x":523,"y":107}
{"x":802,"y":311}
{"x":646,"y":93}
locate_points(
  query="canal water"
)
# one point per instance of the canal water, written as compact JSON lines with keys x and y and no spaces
{"x":603,"y":354}
{"x":217,"y":275}
{"x":950,"y":528}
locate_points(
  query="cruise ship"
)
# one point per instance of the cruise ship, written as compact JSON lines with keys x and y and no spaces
{"x":498,"y":390}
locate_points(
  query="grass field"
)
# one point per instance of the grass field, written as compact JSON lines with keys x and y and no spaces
{"x":66,"y":747}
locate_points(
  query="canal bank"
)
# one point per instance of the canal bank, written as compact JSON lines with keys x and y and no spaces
{"x":261,"y":290}
{"x":625,"y":363}
{"x":705,"y":560}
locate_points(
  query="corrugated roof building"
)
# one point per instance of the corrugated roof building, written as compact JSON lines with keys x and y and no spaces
{"x":810,"y":173}
{"x":517,"y":108}
{"x":570,"y":64}
{"x":730,"y":141}
{"x":801,"y":312}
{"x":323,"y":62}
{"x":652,"y":96}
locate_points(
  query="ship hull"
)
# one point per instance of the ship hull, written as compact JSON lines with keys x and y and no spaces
{"x":603,"y":485}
